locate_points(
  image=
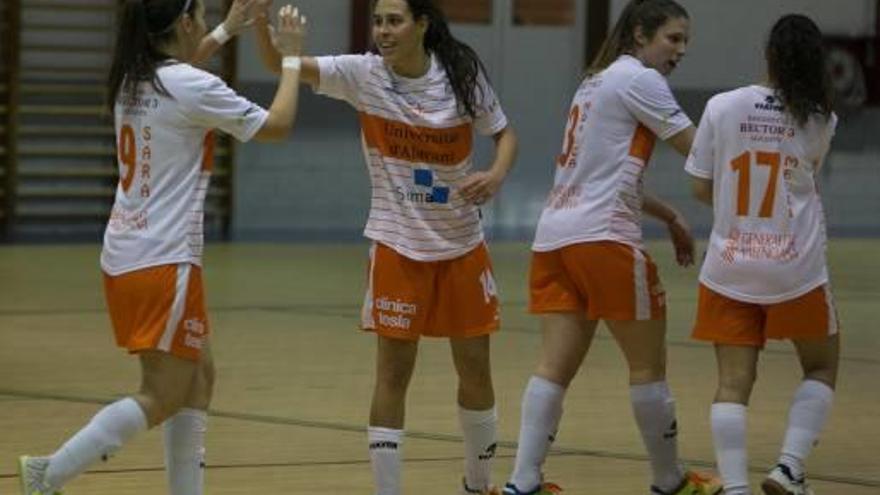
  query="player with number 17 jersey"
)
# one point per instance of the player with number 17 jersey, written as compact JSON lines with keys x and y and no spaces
{"x":768,"y":240}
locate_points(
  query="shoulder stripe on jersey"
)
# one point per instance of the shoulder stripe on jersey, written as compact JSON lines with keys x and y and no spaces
{"x":642,"y":145}
{"x":208,"y":153}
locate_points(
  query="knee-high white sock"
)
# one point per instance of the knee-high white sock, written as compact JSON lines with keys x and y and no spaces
{"x":541,"y":412}
{"x":185,"y":451}
{"x":729,"y":435}
{"x":806,"y":418}
{"x":385,"y":444}
{"x":479,"y":431}
{"x":654,"y":410}
{"x":105,"y":434}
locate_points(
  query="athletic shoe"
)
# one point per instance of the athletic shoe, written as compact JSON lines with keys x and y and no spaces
{"x":492,"y":490}
{"x":542,"y":489}
{"x":781,"y":482}
{"x":694,"y":484}
{"x":32,"y":474}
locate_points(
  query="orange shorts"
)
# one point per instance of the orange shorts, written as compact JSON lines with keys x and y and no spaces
{"x":605,"y":280}
{"x":407,"y":299}
{"x":159,"y":308}
{"x":723,"y":320}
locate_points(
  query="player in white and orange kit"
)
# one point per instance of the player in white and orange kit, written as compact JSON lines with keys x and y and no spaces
{"x":165,"y":112}
{"x":588,"y":261}
{"x":419,"y":101}
{"x":755,"y":159}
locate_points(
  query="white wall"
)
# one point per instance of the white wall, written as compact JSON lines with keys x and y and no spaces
{"x":727,"y":36}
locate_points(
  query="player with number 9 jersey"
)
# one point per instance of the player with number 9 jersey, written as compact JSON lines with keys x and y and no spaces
{"x":166,"y":155}
{"x":165,"y":112}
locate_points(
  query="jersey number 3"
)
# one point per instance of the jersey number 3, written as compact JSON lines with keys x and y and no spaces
{"x":743,"y":166}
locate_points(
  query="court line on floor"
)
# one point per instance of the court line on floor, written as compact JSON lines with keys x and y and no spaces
{"x":365,"y":462}
{"x":420,"y":435}
{"x":348,"y":311}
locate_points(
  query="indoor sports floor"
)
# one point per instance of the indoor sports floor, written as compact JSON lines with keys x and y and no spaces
{"x":295,"y":378}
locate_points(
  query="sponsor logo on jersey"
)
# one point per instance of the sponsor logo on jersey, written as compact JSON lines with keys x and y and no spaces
{"x":424,"y":189}
{"x":770,"y":103}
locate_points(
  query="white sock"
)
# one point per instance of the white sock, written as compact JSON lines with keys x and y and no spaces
{"x":654,"y":409}
{"x":385,"y":458}
{"x":185,"y":451}
{"x":479,"y":430}
{"x":541,"y":412}
{"x":729,"y":436}
{"x":808,"y":413}
{"x":105,"y":434}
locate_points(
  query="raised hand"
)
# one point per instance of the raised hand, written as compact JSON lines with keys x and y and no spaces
{"x":239,"y":16}
{"x":288,"y":37}
{"x":261,"y":10}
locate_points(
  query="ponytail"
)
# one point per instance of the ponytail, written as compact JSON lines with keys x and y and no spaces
{"x":650,"y":15}
{"x":797,"y":66}
{"x":144,"y":25}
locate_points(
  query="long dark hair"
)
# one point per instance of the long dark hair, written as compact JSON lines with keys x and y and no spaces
{"x":797,"y":66}
{"x":144,"y":26}
{"x":650,"y":15}
{"x":460,"y":61}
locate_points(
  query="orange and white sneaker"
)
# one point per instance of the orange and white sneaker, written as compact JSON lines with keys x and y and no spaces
{"x":694,"y":483}
{"x":545,"y":488}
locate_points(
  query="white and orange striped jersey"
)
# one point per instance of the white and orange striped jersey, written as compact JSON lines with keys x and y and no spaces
{"x":165,"y":157}
{"x":614,"y":120}
{"x":418,"y":144}
{"x":768,"y":238}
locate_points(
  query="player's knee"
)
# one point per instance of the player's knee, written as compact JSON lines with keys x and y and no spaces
{"x":642,"y":373}
{"x":394,"y":377}
{"x":200,"y":394}
{"x":735,"y":386}
{"x":206,"y":377}
{"x":559,"y":372}
{"x":157,"y":408}
{"x":826,"y":375}
{"x":476,"y":380}
{"x":166,"y":402}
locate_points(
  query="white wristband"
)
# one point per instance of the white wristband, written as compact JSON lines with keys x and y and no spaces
{"x":291,"y":62}
{"x":220,"y":34}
